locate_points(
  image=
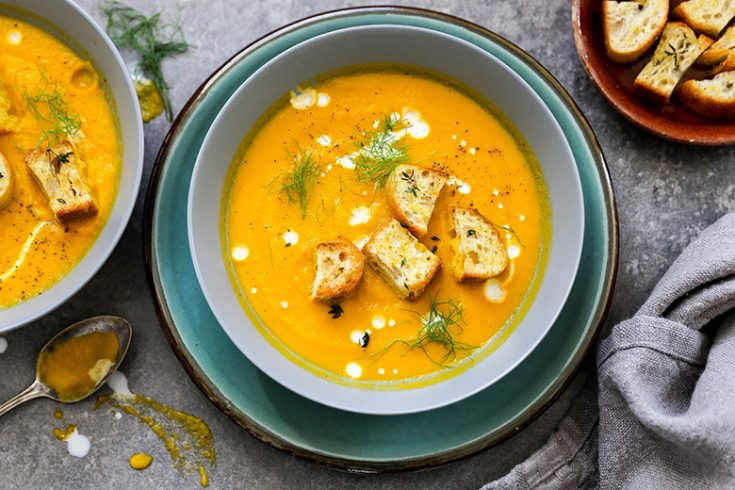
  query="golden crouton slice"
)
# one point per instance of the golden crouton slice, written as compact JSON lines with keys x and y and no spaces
{"x":478,"y":250}
{"x":6,"y":182}
{"x":401,"y":260}
{"x":57,"y":171}
{"x":632,"y":27}
{"x":339,"y":267}
{"x":8,"y":121}
{"x":706,"y":16}
{"x":677,"y":50}
{"x":711,"y":98}
{"x":412,"y":193}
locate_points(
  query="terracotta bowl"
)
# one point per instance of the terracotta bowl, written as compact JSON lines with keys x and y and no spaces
{"x":615,"y":82}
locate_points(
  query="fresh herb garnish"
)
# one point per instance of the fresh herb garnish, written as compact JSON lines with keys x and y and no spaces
{"x":403,"y":262}
{"x":381,"y":154}
{"x":49,"y":108}
{"x":149,"y":38}
{"x":443,"y":323}
{"x":435,"y":238}
{"x":64,"y":157}
{"x":61,"y":200}
{"x":298,"y":183}
{"x":336,"y":311}
{"x":677,"y":53}
{"x":411,"y":187}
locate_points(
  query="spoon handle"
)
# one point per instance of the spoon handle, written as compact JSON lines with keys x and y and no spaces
{"x":33,"y":391}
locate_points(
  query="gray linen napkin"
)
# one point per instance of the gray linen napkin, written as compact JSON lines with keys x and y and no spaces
{"x":662,"y":415}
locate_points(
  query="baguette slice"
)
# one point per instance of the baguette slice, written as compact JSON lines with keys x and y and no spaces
{"x":412,"y":193}
{"x":631,"y":27}
{"x":722,"y":49}
{"x":339,"y":267}
{"x":478,"y":249}
{"x":677,"y":50}
{"x":6,"y":182}
{"x":8,"y":121}
{"x":712,"y":98}
{"x":401,"y":260}
{"x":57,"y":171}
{"x":706,"y":16}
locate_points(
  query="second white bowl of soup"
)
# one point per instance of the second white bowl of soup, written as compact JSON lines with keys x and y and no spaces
{"x":385,"y":219}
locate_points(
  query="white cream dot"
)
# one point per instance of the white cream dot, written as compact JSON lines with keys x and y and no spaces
{"x":324,"y":140}
{"x":472,"y":151}
{"x":514,"y":251}
{"x":240,"y":253}
{"x":378,"y":322}
{"x":3,"y":345}
{"x":15,"y":37}
{"x":322,"y":99}
{"x":290,"y":238}
{"x":360,"y":215}
{"x":494,"y":291}
{"x":346,"y":162}
{"x":77,"y":444}
{"x":376,"y":123}
{"x":253,"y":290}
{"x":500,"y":205}
{"x":381,"y":371}
{"x":463,"y":143}
{"x":353,"y":370}
{"x":284,"y":304}
{"x":118,"y":415}
{"x":454,"y":136}
{"x":496,"y":192}
{"x":522,"y":218}
{"x":355,"y":336}
{"x":395,"y":371}
{"x":304,"y":99}
{"x":391,"y":323}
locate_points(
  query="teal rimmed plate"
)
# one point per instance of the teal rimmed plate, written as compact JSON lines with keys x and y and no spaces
{"x":329,"y":436}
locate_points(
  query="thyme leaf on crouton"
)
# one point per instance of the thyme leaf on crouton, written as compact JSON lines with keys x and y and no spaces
{"x":298,"y":183}
{"x":440,"y":326}
{"x":381,"y":152}
{"x":50,"y":109}
{"x":149,"y":38}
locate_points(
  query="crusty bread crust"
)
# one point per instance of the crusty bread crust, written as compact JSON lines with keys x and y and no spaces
{"x":8,"y":121}
{"x":479,"y":252}
{"x":632,"y":27}
{"x":711,"y":98}
{"x":677,"y":50}
{"x":6,"y":182}
{"x":339,"y":268}
{"x":401,"y":260}
{"x":706,"y":16}
{"x":412,"y":193}
{"x":56,"y":170}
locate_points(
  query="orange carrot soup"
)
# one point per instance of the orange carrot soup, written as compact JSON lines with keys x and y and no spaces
{"x":314,"y":170}
{"x":61,"y":159}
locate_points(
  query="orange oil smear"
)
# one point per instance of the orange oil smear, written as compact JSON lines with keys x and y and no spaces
{"x":140,"y":461}
{"x":74,"y":367}
{"x":187,"y":438}
{"x":64,"y":434}
{"x":58,"y":414}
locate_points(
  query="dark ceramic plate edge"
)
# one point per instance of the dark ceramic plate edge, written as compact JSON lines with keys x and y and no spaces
{"x":262,"y":433}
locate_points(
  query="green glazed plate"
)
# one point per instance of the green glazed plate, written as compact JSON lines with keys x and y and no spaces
{"x":347,"y":440}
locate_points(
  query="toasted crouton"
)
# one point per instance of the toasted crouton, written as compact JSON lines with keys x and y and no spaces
{"x":631,"y":27}
{"x":711,"y":98}
{"x":6,"y":182}
{"x":8,"y":121}
{"x":677,"y":50}
{"x":412,"y":193}
{"x":478,"y":250}
{"x":339,"y":267}
{"x":706,"y":16}
{"x":401,"y":260}
{"x":57,"y":171}
{"x":720,"y":50}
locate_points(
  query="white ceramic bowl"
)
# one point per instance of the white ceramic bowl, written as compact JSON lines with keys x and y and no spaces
{"x":415,"y":46}
{"x":77,"y":29}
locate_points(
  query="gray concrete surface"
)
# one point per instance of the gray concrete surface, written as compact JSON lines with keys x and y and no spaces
{"x":666,"y":194}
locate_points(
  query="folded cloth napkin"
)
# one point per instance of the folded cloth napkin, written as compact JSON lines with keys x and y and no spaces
{"x":662,"y":415}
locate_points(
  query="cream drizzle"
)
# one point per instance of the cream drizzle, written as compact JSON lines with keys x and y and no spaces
{"x":24,"y":251}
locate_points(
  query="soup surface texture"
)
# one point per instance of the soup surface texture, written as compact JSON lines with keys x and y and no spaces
{"x":336,"y":137}
{"x":54,"y":96}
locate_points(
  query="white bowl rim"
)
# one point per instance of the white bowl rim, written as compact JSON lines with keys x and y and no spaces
{"x":33,"y":308}
{"x":350,"y":400}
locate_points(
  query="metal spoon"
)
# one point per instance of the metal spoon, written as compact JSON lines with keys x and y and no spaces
{"x":119,"y":326}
